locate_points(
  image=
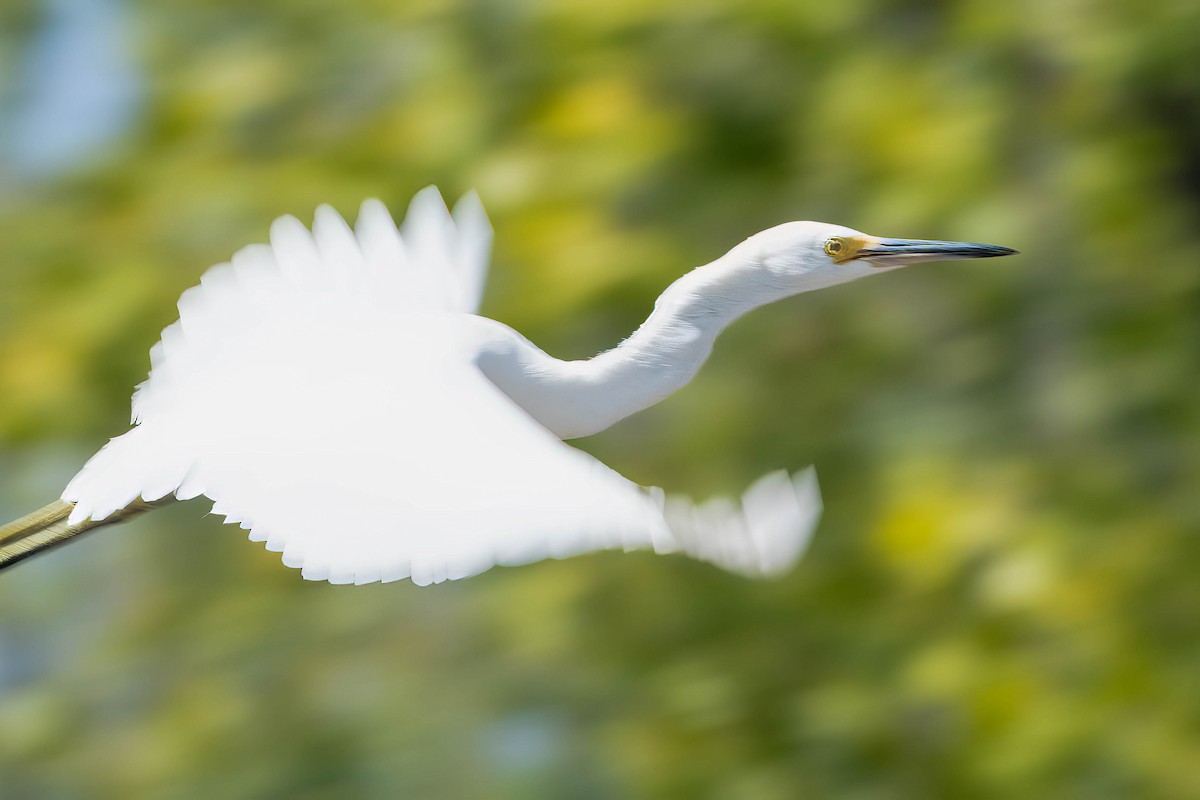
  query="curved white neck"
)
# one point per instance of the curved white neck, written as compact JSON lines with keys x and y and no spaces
{"x":579,"y":398}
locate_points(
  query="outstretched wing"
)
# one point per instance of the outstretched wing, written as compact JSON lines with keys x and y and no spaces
{"x":431,"y":473}
{"x":435,"y":262}
{"x":321,"y":393}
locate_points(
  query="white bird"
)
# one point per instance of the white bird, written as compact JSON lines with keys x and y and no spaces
{"x":337,"y":395}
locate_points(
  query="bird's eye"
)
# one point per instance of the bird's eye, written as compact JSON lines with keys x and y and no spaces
{"x":834,"y":247}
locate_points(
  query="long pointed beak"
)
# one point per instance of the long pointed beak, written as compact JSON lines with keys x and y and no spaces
{"x":899,"y":252}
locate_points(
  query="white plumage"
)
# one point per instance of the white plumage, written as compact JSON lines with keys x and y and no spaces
{"x":336,"y":395}
{"x":322,"y":393}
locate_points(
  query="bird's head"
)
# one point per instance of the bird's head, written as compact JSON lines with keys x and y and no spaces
{"x":801,"y":256}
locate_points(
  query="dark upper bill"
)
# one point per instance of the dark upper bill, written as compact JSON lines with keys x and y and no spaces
{"x":897,"y":252}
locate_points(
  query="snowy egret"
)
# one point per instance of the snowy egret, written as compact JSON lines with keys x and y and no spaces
{"x":337,"y":395}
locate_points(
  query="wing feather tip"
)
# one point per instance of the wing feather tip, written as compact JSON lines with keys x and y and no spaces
{"x":781,"y":513}
{"x":286,"y":226}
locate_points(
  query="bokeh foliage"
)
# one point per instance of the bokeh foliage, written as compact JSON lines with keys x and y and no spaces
{"x":1002,"y":598}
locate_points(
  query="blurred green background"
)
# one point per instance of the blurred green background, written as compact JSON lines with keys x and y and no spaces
{"x":1001,"y":600}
